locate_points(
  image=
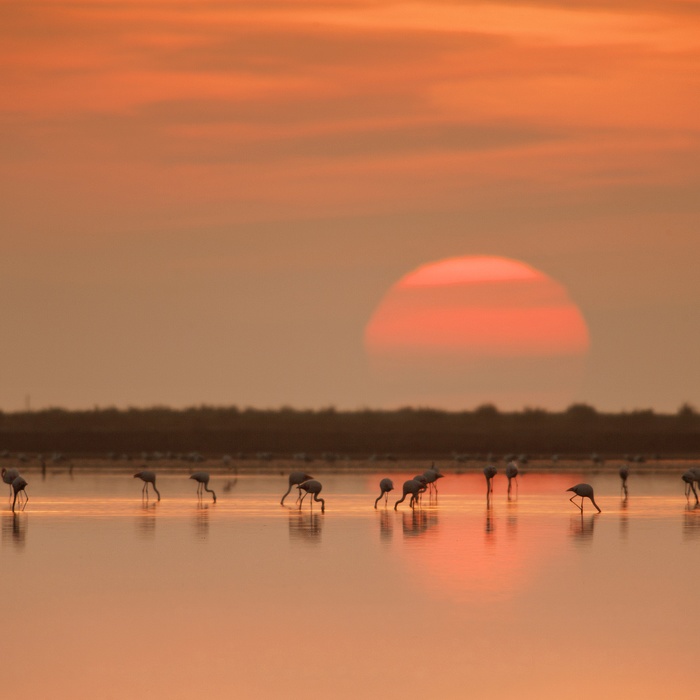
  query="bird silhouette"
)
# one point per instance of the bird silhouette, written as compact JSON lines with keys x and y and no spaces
{"x":431,"y":476}
{"x":385,"y":485}
{"x":420,"y":478}
{"x":696,"y":475}
{"x":414,"y":488}
{"x":512,"y":473}
{"x":312,"y":487}
{"x":489,"y":472}
{"x":689,"y":478}
{"x":202,"y":479}
{"x":624,"y":473}
{"x":295,"y":478}
{"x":584,"y":491}
{"x":147,"y":477}
{"x":8,"y":476}
{"x":18,"y":486}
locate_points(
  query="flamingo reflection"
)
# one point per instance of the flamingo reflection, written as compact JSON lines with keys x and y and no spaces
{"x":201,"y":521}
{"x":146,"y":522}
{"x":386,"y":527}
{"x":305,"y":526}
{"x":418,"y":522}
{"x":691,"y":521}
{"x":14,"y":529}
{"x":581,"y":528}
{"x":489,"y":524}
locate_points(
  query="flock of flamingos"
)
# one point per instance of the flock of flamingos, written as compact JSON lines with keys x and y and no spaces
{"x":307,"y":485}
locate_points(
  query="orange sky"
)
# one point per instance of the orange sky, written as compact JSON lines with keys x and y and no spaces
{"x":205,"y":202}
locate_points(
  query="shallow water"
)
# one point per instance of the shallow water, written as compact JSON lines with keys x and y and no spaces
{"x":110,"y":596}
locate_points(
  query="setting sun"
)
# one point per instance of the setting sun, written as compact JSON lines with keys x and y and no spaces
{"x":484,"y":328}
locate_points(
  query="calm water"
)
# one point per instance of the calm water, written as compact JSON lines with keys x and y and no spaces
{"x":110,"y":597}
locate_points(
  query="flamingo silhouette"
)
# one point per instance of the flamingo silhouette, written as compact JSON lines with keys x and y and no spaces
{"x":295,"y":478}
{"x":489,"y":472}
{"x":690,"y":478}
{"x":202,"y":479}
{"x":18,"y":486}
{"x":414,"y":488}
{"x":8,"y":476}
{"x":312,"y":487}
{"x":431,"y":476}
{"x":624,"y":473}
{"x":584,"y":491}
{"x":512,"y":473}
{"x":385,"y":485}
{"x":147,"y":477}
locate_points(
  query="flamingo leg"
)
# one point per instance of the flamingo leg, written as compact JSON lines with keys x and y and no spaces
{"x":580,"y":507}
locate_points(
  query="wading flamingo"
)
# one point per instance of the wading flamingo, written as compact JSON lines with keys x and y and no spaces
{"x":431,"y":476}
{"x":295,"y":478}
{"x":18,"y":486}
{"x":489,"y":473}
{"x":385,"y":485}
{"x":512,"y":473}
{"x":8,"y":476}
{"x":689,"y":479}
{"x":148,"y":478}
{"x":202,"y":479}
{"x":414,"y":488}
{"x":584,"y":491}
{"x":312,"y":487}
{"x":624,"y":473}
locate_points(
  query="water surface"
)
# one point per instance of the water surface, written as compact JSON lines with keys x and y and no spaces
{"x":111,"y":596}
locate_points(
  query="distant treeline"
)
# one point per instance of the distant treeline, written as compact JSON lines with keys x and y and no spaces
{"x":407,"y":432}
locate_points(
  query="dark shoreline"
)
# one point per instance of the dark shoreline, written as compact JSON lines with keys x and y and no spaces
{"x":580,"y":432}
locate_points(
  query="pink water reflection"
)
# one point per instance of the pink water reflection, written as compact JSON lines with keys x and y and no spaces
{"x":115,"y":598}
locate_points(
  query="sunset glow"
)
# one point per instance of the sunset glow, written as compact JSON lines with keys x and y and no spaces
{"x":260,"y":174}
{"x":469,"y":312}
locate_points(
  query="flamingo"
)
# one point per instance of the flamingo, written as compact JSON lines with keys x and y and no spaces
{"x":624,"y":473}
{"x":689,"y":478}
{"x":696,"y":475}
{"x":295,"y":478}
{"x":147,"y":477}
{"x":420,"y":478}
{"x":202,"y":479}
{"x":385,"y":485}
{"x":431,"y":476}
{"x":8,"y":476}
{"x":584,"y":491}
{"x":489,"y":472}
{"x":414,"y":488}
{"x":512,"y":473}
{"x":18,"y":486}
{"x":312,"y":487}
